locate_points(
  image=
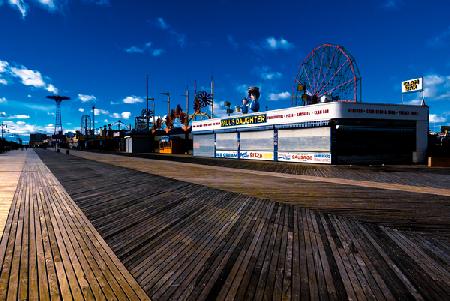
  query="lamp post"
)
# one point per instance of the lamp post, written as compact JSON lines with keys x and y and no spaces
{"x":147,"y":112}
{"x":168,"y":102}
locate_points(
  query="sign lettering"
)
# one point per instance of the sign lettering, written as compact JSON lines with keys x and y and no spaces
{"x":244,"y":120}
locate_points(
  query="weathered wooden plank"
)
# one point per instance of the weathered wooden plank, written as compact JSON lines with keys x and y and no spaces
{"x":190,"y":273}
{"x":44,"y":252}
{"x":181,"y":243}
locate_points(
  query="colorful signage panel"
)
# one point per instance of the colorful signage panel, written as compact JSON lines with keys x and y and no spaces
{"x":256,"y":155}
{"x":243,"y":120}
{"x":305,"y":157}
{"x":227,"y":154}
{"x":412,"y":85}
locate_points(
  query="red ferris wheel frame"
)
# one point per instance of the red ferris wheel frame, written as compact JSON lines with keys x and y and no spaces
{"x":328,"y":70}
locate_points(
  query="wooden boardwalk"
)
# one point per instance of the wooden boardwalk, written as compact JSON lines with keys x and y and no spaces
{"x":11,"y":165}
{"x":50,"y":250}
{"x":411,"y":175}
{"x":184,"y":241}
{"x":402,"y":207}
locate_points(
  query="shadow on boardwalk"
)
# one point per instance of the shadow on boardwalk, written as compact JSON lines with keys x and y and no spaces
{"x":186,"y":241}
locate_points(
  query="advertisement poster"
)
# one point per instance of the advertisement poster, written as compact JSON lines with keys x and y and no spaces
{"x":256,"y":155}
{"x":305,"y":157}
{"x":227,"y":154}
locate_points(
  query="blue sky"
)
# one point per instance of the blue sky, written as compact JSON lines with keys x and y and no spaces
{"x":100,"y":51}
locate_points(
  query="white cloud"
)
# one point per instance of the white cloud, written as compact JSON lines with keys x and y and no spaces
{"x":147,"y":48}
{"x":2,"y":114}
{"x":81,"y":110}
{"x":29,"y":95}
{"x":274,"y":44}
{"x":3,"y":99}
{"x":437,"y":119}
{"x":86,"y":98}
{"x":157,"y":52}
{"x":29,"y":77}
{"x":52,"y":89}
{"x":125,"y":115}
{"x":3,"y":82}
{"x":48,"y":4}
{"x":3,"y":66}
{"x":20,"y":5}
{"x":37,"y":107}
{"x":179,"y":37}
{"x":115,"y":115}
{"x":20,"y":127}
{"x":219,"y":109}
{"x":100,"y":111}
{"x":279,"y":96}
{"x":51,"y":113}
{"x":132,"y":99}
{"x":271,"y":75}
{"x":19,"y":116}
{"x":242,"y":88}
{"x":161,"y":23}
{"x":414,"y":102}
{"x":437,"y":86}
{"x":134,"y":49}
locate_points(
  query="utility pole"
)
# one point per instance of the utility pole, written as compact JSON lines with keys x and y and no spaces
{"x":146,"y":98}
{"x":212,"y":97}
{"x":154,"y":112}
{"x":93,"y":119}
{"x":168,"y":102}
{"x":147,"y":112}
{"x":187,"y":106}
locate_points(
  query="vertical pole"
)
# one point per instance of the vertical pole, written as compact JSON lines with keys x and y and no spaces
{"x":187,"y":107}
{"x":275,"y":144}
{"x":93,"y":119}
{"x":186,"y":124}
{"x":360,"y":89}
{"x":238,"y":137}
{"x":423,"y":89}
{"x":154,"y":113}
{"x":168,"y":104}
{"x":212,"y":96}
{"x":146,"y":98}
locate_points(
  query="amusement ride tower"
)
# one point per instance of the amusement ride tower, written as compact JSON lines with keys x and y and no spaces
{"x":58,"y":123}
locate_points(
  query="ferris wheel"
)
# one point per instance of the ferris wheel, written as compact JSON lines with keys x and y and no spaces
{"x":328,"y":73}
